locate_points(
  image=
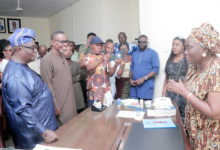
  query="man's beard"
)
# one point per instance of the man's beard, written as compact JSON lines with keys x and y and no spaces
{"x":68,"y":58}
{"x":142,"y":49}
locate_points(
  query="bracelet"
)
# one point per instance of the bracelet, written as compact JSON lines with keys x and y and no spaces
{"x":122,"y":66}
{"x":189,"y":96}
{"x":163,"y":94}
{"x":46,"y":133}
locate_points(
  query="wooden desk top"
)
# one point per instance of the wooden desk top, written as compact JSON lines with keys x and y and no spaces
{"x":101,"y":130}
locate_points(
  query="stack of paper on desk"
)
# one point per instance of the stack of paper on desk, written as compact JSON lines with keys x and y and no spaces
{"x":129,"y":114}
{"x":162,"y":107}
{"x":42,"y":147}
{"x":130,"y":102}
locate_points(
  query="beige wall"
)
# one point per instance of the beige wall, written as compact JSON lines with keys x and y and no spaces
{"x":39,"y":25}
{"x":87,"y":16}
{"x":62,"y":21}
{"x":106,"y":18}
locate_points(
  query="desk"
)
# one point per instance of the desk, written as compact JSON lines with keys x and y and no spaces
{"x":101,"y":131}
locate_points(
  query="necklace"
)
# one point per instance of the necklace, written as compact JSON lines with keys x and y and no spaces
{"x":192,"y":89}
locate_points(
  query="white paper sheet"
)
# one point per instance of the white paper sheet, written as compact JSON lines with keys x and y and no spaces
{"x":129,"y":114}
{"x":42,"y":147}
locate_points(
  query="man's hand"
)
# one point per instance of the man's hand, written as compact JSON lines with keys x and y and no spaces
{"x":118,"y":61}
{"x":51,"y":136}
{"x":132,"y":82}
{"x":127,"y":58}
{"x":123,"y":62}
{"x":57,"y":112}
{"x":140,"y":81}
{"x":105,"y":57}
{"x":82,"y":63}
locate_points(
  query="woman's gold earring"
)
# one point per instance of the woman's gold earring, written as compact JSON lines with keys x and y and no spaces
{"x":203,"y":54}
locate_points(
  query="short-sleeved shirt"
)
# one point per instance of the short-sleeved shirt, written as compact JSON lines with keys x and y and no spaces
{"x":83,"y":49}
{"x":142,"y":63}
{"x":132,"y":48}
{"x":204,"y":132}
{"x":98,"y":80}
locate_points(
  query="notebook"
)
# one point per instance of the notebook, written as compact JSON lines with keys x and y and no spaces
{"x":158,"y":123}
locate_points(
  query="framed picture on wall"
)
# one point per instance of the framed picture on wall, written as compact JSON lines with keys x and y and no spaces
{"x":2,"y":25}
{"x":13,"y":24}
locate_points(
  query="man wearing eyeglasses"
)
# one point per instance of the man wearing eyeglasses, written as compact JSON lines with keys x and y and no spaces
{"x":55,"y":72}
{"x":144,"y":67}
{"x":27,"y":99}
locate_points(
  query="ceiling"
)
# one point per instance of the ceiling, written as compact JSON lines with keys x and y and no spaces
{"x":42,"y":8}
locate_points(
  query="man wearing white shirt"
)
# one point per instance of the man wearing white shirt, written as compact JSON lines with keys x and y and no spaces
{"x":14,"y":27}
{"x":1,"y":27}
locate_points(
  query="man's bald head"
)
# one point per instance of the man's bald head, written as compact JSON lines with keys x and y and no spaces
{"x":42,"y":50}
{"x":122,"y":37}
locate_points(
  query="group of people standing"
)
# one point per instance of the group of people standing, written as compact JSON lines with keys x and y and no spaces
{"x":37,"y":105}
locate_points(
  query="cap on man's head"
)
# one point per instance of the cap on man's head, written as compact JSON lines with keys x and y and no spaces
{"x":91,"y":34}
{"x":96,"y":40}
{"x":21,"y":36}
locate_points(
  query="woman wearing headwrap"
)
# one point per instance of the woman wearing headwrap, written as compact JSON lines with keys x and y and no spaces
{"x":202,"y":88}
{"x":177,"y":54}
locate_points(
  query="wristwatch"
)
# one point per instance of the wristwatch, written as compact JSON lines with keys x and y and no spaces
{"x":145,"y":77}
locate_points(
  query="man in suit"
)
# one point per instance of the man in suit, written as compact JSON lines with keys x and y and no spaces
{"x":1,"y":27}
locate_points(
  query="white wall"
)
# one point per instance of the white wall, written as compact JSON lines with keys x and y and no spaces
{"x":106,"y":18}
{"x":63,"y":21}
{"x":39,"y":25}
{"x":163,"y":20}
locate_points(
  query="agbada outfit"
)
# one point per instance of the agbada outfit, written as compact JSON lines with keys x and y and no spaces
{"x":28,"y":103}
{"x":55,"y":72}
{"x":142,"y":63}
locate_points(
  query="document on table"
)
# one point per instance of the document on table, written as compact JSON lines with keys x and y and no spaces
{"x":158,"y":123}
{"x":42,"y":147}
{"x":129,"y":114}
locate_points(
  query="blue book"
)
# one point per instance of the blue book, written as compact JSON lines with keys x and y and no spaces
{"x":158,"y":123}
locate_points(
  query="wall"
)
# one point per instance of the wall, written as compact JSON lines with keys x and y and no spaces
{"x":163,"y":20}
{"x":62,"y":21}
{"x":39,"y":25}
{"x":87,"y":16}
{"x":106,"y":18}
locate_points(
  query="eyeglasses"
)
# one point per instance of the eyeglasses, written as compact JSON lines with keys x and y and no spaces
{"x":142,"y":42}
{"x":31,"y":47}
{"x":7,"y":50}
{"x":62,"y":42}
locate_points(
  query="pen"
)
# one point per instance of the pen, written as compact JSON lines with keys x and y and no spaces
{"x":160,"y":122}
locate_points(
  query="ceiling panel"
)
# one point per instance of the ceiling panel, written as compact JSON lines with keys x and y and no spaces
{"x":42,"y":8}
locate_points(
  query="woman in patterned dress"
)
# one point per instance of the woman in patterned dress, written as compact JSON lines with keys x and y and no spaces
{"x":201,"y":88}
{"x":177,"y":53}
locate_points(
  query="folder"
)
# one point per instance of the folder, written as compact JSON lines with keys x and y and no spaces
{"x":154,"y":139}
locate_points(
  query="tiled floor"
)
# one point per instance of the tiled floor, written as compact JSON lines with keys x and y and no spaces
{"x":9,"y":143}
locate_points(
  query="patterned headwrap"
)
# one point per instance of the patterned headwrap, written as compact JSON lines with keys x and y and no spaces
{"x":207,"y":37}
